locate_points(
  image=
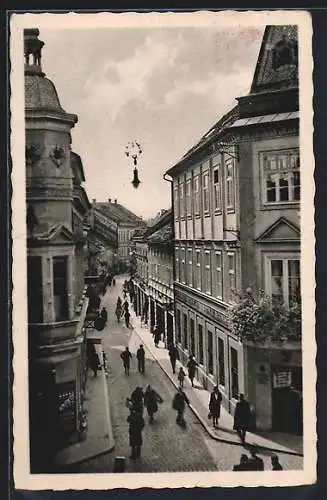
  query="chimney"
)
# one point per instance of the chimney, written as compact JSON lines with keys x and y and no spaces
{"x":94,"y":200}
{"x":109,"y":200}
{"x":115,"y":201}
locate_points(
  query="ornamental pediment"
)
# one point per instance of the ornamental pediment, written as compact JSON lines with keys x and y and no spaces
{"x":282,"y":230}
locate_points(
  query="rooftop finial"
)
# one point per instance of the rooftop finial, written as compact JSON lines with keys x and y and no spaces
{"x":32,"y":47}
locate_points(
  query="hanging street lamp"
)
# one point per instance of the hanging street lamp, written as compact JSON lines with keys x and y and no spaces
{"x":133,"y":150}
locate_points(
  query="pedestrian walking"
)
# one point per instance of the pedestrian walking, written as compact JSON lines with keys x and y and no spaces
{"x":127,"y":317}
{"x":242,"y":417}
{"x":275,"y":463}
{"x":151,"y":400}
{"x":125,"y":305}
{"x":181,"y":375}
{"x":179,"y":401}
{"x":136,"y":425}
{"x":191,"y":365}
{"x":255,"y":462}
{"x":244,"y":463}
{"x":104,"y":314}
{"x":140,"y":356}
{"x":119,"y":313}
{"x":93,"y":359}
{"x":214,"y":405}
{"x":174,"y":356}
{"x":137,"y":400}
{"x":119,"y":302}
{"x":126,"y":357}
{"x":113,"y":282}
{"x":156,"y":336}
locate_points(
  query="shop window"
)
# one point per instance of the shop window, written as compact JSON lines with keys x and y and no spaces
{"x":207,"y":272}
{"x":200,"y":343}
{"x":281,"y":177}
{"x":218,"y":283}
{"x":217,"y":188}
{"x":185,"y":339}
{"x":210,"y":352}
{"x":178,"y":326}
{"x":60,"y":292}
{"x":192,"y":339}
{"x":205,"y":189}
{"x":196,"y":188}
{"x":230,"y":185}
{"x":234,"y":372}
{"x":221,"y":362}
{"x":34,"y":290}
{"x":284,"y":281}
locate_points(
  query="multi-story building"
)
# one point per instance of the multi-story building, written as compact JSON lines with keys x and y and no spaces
{"x":125,"y":222}
{"x":236,"y":219}
{"x":56,"y":207}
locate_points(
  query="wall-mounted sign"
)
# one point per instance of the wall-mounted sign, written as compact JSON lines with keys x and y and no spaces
{"x":282,"y":379}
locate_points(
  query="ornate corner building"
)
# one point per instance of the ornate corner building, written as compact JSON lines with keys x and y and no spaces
{"x":56,"y":247}
{"x":236,"y":202}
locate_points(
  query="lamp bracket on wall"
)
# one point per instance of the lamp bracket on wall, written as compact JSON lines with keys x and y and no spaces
{"x":225,"y":148}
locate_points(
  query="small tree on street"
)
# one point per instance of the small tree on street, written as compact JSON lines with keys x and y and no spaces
{"x":257,"y":319}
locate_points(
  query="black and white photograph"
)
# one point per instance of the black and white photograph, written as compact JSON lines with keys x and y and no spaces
{"x":163,"y":249}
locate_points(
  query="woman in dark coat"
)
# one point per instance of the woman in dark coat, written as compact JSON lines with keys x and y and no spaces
{"x":242,"y":417}
{"x":151,"y":400}
{"x":156,"y":336}
{"x":214,"y":405}
{"x":191,"y":365}
{"x":179,"y":401}
{"x":136,"y":424}
{"x":137,"y":399}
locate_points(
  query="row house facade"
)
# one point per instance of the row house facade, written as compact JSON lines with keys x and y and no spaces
{"x":102,"y":241}
{"x":236,"y":202}
{"x":56,"y":258}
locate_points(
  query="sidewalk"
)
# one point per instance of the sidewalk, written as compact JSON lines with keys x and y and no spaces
{"x":199,"y":399}
{"x":99,"y":439}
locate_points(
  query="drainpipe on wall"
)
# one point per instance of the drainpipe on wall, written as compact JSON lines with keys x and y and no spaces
{"x":174,"y":267}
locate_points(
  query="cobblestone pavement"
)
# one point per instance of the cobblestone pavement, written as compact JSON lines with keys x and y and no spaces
{"x":166,"y":447}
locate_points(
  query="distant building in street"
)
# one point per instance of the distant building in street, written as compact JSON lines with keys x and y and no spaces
{"x":125,"y":223}
{"x":56,"y":259}
{"x":236,"y":215}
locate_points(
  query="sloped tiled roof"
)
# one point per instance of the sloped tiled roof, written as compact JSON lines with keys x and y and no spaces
{"x":117,"y":213}
{"x":164,"y":235}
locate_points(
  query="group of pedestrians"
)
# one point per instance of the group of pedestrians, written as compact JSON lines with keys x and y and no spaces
{"x":255,"y":463}
{"x":122,"y":310}
{"x":136,"y":403}
{"x":126,"y":357}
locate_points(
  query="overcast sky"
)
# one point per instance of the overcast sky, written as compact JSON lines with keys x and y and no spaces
{"x":163,"y":87}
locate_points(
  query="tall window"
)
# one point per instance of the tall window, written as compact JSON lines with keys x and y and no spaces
{"x":231,"y":275}
{"x":176,"y":203}
{"x":217,"y":188}
{"x":185,"y":339}
{"x":284,"y":281}
{"x":183,"y":265}
{"x":221,"y":362}
{"x":196,"y":183}
{"x":189,"y":197}
{"x":210,"y":352}
{"x":60,"y":293}
{"x":230,"y":189}
{"x":218,"y":275}
{"x":281,"y":176}
{"x":234,"y":372}
{"x":205,"y":189}
{"x":34,"y":290}
{"x":178,"y":326}
{"x":207,"y":272}
{"x":181,"y":199}
{"x":177,"y":264}
{"x":192,"y":339}
{"x":200,"y":343}
{"x":197,"y":270}
{"x":189,"y":267}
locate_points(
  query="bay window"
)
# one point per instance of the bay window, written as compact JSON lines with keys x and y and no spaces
{"x":281,"y":177}
{"x":60,"y":288}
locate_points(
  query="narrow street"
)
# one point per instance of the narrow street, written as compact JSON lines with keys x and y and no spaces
{"x":166,"y":447}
